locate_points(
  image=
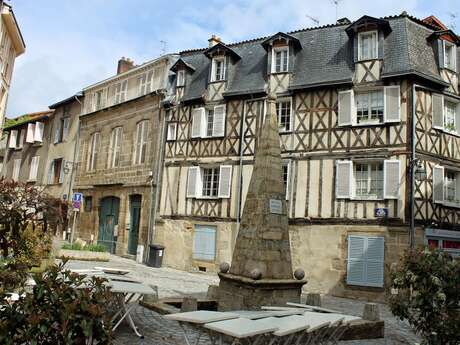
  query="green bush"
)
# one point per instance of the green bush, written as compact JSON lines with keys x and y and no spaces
{"x":73,"y":246}
{"x":426,"y":293}
{"x":89,"y":247}
{"x":64,"y":308}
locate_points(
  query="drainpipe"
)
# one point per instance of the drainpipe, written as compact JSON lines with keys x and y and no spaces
{"x":412,"y":171}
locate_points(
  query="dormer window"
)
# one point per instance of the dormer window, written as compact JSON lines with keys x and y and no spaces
{"x":180,"y":78}
{"x":367,"y":45}
{"x":280,"y":60}
{"x":450,"y":60}
{"x":218,"y":69}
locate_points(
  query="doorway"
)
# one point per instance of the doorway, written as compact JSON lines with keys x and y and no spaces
{"x":108,"y":221}
{"x":135,"y":212}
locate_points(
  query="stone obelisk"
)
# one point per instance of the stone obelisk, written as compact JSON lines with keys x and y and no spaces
{"x":261,"y":271}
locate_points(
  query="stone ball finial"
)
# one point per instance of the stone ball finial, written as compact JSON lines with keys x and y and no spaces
{"x":256,"y":274}
{"x":224,"y":267}
{"x":299,"y":274}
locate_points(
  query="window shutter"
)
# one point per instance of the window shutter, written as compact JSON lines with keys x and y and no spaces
{"x":172,"y":128}
{"x":198,"y":115}
{"x":193,"y":182}
{"x":343,"y":180}
{"x":57,"y":132}
{"x":438,"y":184}
{"x":442,"y":55}
{"x":39,"y":127}
{"x":438,"y":111}
{"x":345,"y":108}
{"x":225,"y":181}
{"x":51,"y":173}
{"x":375,"y":254}
{"x":13,"y":139}
{"x":218,"y":127}
{"x":457,"y":118}
{"x":288,"y":179}
{"x":16,"y":169}
{"x":391,"y":176}
{"x":22,"y":136}
{"x":356,"y":260}
{"x":204,"y":247}
{"x":34,"y":168}
{"x":61,"y":172}
{"x":30,"y":133}
{"x":392,"y":104}
{"x":65,"y":129}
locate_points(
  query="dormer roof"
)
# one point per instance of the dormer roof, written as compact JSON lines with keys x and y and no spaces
{"x":281,"y":35}
{"x":180,"y":63}
{"x":448,"y":35}
{"x":368,"y":23}
{"x":221,"y":48}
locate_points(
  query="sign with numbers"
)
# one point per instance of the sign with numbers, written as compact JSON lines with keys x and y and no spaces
{"x":381,"y":212}
{"x":77,"y":199}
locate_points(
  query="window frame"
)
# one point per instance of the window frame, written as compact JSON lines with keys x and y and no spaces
{"x":450,"y":128}
{"x":223,"y":70}
{"x":370,"y":181}
{"x":370,"y":107}
{"x":453,"y":55}
{"x":87,"y":203}
{"x":170,"y":137}
{"x":141,"y":142}
{"x":284,"y":63}
{"x":115,"y":147}
{"x":180,"y":81}
{"x":278,"y":110}
{"x":375,"y":48}
{"x":93,"y":151}
{"x":213,"y":191}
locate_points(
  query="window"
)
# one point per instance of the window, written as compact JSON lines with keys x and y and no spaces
{"x":116,"y":139}
{"x":367,"y":45}
{"x":56,"y":171}
{"x":141,"y":142}
{"x":283,"y":110}
{"x":450,"y":185}
{"x":34,"y":162}
{"x":204,"y":242}
{"x":16,"y":169}
{"x":145,"y":83}
{"x":120,"y":91}
{"x":180,"y":78}
{"x":286,"y":173}
{"x":210,"y":182}
{"x":99,"y":101}
{"x":280,"y":60}
{"x":62,"y":130}
{"x":172,"y":128}
{"x":13,"y":139}
{"x":218,"y":68}
{"x":450,"y":58}
{"x":446,"y":115}
{"x":369,"y":107}
{"x":446,"y":186}
{"x":449,"y":116}
{"x":22,"y":138}
{"x":208,"y":122}
{"x":447,"y":240}
{"x":88,"y":204}
{"x":365,"y":266}
{"x":369,"y":180}
{"x":92,"y":152}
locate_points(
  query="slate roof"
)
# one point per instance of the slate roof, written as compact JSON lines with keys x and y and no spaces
{"x":326,"y":58}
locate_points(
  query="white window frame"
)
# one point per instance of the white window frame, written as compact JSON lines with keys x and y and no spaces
{"x":278,"y":109}
{"x":93,"y":151}
{"x":453,"y":58}
{"x":141,"y":142}
{"x":180,"y":78}
{"x":16,"y":169}
{"x":172,"y":131}
{"x":370,"y":120}
{"x":374,"y":49}
{"x":449,"y":184}
{"x":447,"y":107}
{"x":223,"y":71}
{"x":99,"y":99}
{"x":121,"y":91}
{"x":284,"y":59}
{"x":222,"y":188}
{"x":34,"y":164}
{"x":116,"y":140}
{"x":369,"y":165}
{"x":145,"y":83}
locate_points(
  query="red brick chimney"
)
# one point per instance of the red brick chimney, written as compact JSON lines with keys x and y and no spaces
{"x":124,"y":64}
{"x":214,"y":40}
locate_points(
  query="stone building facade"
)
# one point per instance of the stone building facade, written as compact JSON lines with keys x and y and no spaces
{"x":119,"y":146}
{"x":345,"y":97}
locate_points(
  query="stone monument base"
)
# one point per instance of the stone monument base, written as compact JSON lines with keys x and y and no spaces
{"x":242,"y":293}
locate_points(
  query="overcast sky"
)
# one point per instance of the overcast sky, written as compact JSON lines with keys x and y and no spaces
{"x":71,"y":44}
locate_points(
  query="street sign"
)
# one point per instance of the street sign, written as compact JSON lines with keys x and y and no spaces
{"x":381,"y":212}
{"x":77,"y":199}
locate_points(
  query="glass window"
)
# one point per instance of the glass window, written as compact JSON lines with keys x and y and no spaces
{"x":211,"y":182}
{"x":369,"y":107}
{"x":116,"y":138}
{"x":209,"y":123}
{"x":449,"y":116}
{"x":92,"y":152}
{"x":283,"y":110}
{"x":99,"y":103}
{"x":449,"y":56}
{"x":280,"y":63}
{"x":219,"y":69}
{"x":367,"y":43}
{"x":180,"y":77}
{"x":450,"y":186}
{"x":141,"y":142}
{"x":369,"y":179}
{"x":88,"y":203}
{"x":172,"y":127}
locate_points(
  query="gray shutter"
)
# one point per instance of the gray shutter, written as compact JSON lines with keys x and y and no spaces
{"x":65,"y":129}
{"x":391,"y":177}
{"x":192,"y":181}
{"x":343,"y":180}
{"x":375,"y":256}
{"x":218,"y":127}
{"x":30,"y":133}
{"x":457,"y":118}
{"x":61,"y":173}
{"x":13,"y":139}
{"x":197,"y":122}
{"x":380,"y":40}
{"x":438,"y":111}
{"x":355,"y":49}
{"x":392,"y":104}
{"x":441,"y":57}
{"x":345,"y":112}
{"x":356,"y":260}
{"x":225,"y":181}
{"x":204,"y":247}
{"x":438,"y":184}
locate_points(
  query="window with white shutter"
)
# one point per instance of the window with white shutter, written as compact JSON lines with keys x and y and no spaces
{"x":180,"y":78}
{"x":286,"y":177}
{"x":198,"y":122}
{"x":225,"y":181}
{"x":12,"y":142}
{"x":16,"y":169}
{"x":116,"y":138}
{"x":171,"y":134}
{"x":450,"y":55}
{"x":365,"y":266}
{"x":345,"y":108}
{"x":93,"y":150}
{"x":65,"y":127}
{"x":438,"y":184}
{"x":39,"y":128}
{"x":194,"y":184}
{"x":140,"y":149}
{"x":392,"y":111}
{"x":30,"y":133}
{"x":284,"y":113}
{"x":438,"y":111}
{"x":218,"y":126}
{"x":22,"y":137}
{"x":34,"y":162}
{"x":204,"y":243}
{"x":367,"y":45}
{"x":343,"y":180}
{"x":391,"y":179}
{"x":219,"y":68}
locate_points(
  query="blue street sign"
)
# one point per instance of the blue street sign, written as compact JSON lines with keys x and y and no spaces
{"x":381,"y":212}
{"x":77,"y":197}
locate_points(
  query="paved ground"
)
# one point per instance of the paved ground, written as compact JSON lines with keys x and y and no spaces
{"x":174,"y":283}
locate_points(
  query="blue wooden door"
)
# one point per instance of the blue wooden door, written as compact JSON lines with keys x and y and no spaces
{"x":108,"y":219}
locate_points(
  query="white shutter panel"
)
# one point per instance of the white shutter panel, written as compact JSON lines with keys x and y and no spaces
{"x":13,"y":139}
{"x":346,"y":108}
{"x":356,"y":260}
{"x":22,"y":136}
{"x":61,"y":173}
{"x":225,"y":181}
{"x":457,"y":118}
{"x":343,"y":180}
{"x":288,"y":179}
{"x":34,"y":168}
{"x":39,"y":127}
{"x":391,"y":176}
{"x":218,"y":127}
{"x":193,"y":182}
{"x":438,"y":184}
{"x":438,"y":111}
{"x":172,"y":129}
{"x":198,"y":115}
{"x":65,"y":129}
{"x":392,"y":104}
{"x":375,"y":255}
{"x":30,"y":133}
{"x":57,"y":132}
{"x":443,"y":54}
{"x":51,"y":173}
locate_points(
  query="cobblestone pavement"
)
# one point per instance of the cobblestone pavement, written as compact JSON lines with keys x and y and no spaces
{"x":175,"y":283}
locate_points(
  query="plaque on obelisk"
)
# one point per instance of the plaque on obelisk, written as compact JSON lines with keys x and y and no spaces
{"x":261,"y":270}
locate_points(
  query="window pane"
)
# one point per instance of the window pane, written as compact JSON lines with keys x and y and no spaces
{"x":283,"y":110}
{"x":433,"y":244}
{"x":369,"y":179}
{"x":450,"y":185}
{"x":449,"y":117}
{"x":210,"y":123}
{"x":451,"y":244}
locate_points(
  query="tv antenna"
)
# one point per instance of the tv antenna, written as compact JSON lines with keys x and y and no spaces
{"x":313,"y":19}
{"x":453,"y":18}
{"x":163,"y":47}
{"x":336,"y":4}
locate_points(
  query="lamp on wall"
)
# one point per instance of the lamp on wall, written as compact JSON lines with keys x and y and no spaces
{"x":420,"y":171}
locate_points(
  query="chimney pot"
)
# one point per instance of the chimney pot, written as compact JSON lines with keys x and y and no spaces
{"x":124,"y":64}
{"x":214,"y":40}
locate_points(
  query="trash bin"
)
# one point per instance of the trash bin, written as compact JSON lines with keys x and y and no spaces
{"x":156,"y":252}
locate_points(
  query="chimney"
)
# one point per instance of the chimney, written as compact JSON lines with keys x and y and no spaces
{"x":343,"y":21}
{"x":214,"y":40}
{"x":124,"y":64}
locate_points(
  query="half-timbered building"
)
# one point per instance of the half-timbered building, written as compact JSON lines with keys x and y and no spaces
{"x":349,"y":98}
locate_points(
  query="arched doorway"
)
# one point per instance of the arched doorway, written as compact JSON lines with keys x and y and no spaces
{"x":135,"y":219}
{"x":108,"y":220}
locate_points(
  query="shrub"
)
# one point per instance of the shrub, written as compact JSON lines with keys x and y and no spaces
{"x":73,"y":246}
{"x":64,"y":308}
{"x":426,"y":292}
{"x":89,"y":247}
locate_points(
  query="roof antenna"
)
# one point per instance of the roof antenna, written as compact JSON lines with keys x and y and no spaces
{"x":453,"y":18}
{"x":163,"y":47}
{"x":313,"y":19}
{"x":336,"y":3}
